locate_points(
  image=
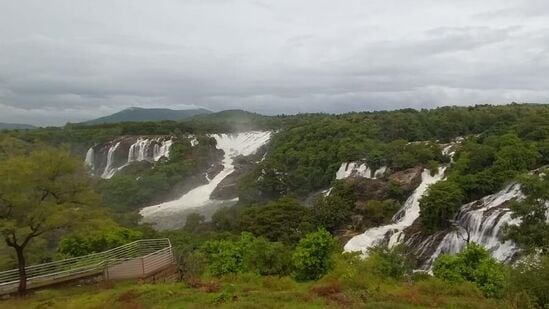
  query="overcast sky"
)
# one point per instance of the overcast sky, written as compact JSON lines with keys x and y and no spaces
{"x":74,"y":60}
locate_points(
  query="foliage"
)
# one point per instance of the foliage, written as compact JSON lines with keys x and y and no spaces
{"x":392,"y":262}
{"x":439,"y":205}
{"x":41,"y":192}
{"x":473,"y":264}
{"x":532,"y":234}
{"x":312,"y":258}
{"x":266,"y":258}
{"x":284,"y":220}
{"x":531,"y":276}
{"x":87,"y":242}
{"x":332,"y":211}
{"x":379,"y":212}
{"x":247,"y":254}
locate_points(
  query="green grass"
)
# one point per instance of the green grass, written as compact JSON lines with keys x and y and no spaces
{"x":252,"y":291}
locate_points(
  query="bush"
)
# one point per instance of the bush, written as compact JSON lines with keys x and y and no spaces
{"x":87,"y":242}
{"x":266,"y":258}
{"x":223,"y":257}
{"x":530,"y":280}
{"x":312,"y":256}
{"x":474,"y":264}
{"x":390,"y":262}
{"x":246,"y":255}
{"x":284,"y":220}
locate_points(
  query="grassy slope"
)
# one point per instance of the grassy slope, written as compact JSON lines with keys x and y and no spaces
{"x":250,"y":291}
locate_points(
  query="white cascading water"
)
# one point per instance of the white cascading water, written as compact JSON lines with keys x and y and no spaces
{"x":358,"y":169}
{"x":481,"y":222}
{"x":172,"y":214}
{"x":143,"y":149}
{"x":90,"y":156}
{"x":109,"y":169}
{"x":405,"y":217}
{"x":391,"y":232}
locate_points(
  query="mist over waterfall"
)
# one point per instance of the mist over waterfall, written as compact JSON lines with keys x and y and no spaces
{"x":173,"y":214}
{"x":106,"y":160}
{"x":407,"y":215}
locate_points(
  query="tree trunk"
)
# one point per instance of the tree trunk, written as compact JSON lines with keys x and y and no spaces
{"x":22,"y":289}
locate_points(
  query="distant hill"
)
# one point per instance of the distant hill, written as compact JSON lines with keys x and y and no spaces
{"x":235,"y":115}
{"x":13,"y":126}
{"x":148,"y":114}
{"x":235,"y":120}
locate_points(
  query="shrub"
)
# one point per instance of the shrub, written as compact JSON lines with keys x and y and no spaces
{"x":390,"y":262}
{"x":474,"y":264}
{"x":86,"y":242}
{"x":530,"y":280}
{"x":312,"y":256}
{"x":266,"y":258}
{"x":247,"y":254}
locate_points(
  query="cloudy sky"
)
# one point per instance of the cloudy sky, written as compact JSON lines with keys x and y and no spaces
{"x":74,"y":60}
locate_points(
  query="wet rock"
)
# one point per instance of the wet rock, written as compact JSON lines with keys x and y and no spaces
{"x":409,"y":179}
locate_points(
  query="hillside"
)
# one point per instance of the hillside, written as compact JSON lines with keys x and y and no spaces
{"x":13,"y":126}
{"x":148,"y":114}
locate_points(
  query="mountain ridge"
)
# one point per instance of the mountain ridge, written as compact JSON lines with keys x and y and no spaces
{"x":16,"y":126}
{"x":138,"y":114}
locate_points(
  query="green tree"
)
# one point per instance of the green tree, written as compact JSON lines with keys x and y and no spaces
{"x":284,"y":220}
{"x":41,"y":192}
{"x":473,"y":264}
{"x":390,"y":262}
{"x":247,"y":254}
{"x":440,"y":204}
{"x":88,"y":241}
{"x":531,"y":275}
{"x":336,"y":209}
{"x":266,"y":258}
{"x":532,"y":233}
{"x":312,"y":258}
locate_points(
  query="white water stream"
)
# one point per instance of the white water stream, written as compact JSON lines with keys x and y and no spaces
{"x":172,"y":214}
{"x":390,"y":233}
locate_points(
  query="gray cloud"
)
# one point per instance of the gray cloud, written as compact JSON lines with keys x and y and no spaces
{"x":75,"y":60}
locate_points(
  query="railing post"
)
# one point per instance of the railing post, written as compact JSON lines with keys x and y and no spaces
{"x":143,"y":266}
{"x":106,"y":271}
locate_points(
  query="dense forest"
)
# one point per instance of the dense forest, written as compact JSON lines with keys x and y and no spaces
{"x":281,"y":227}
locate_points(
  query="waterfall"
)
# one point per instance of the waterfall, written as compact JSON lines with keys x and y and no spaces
{"x":409,"y":213}
{"x":90,"y":158}
{"x":358,"y":169}
{"x":481,"y":222}
{"x":105,"y":160}
{"x":173,"y":214}
{"x":162,"y":150}
{"x":109,"y":170}
{"x":141,"y":150}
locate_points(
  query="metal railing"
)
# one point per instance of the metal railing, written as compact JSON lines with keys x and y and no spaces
{"x":133,"y":260}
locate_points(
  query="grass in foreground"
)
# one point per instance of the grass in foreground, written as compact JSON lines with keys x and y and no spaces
{"x":251,"y":291}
